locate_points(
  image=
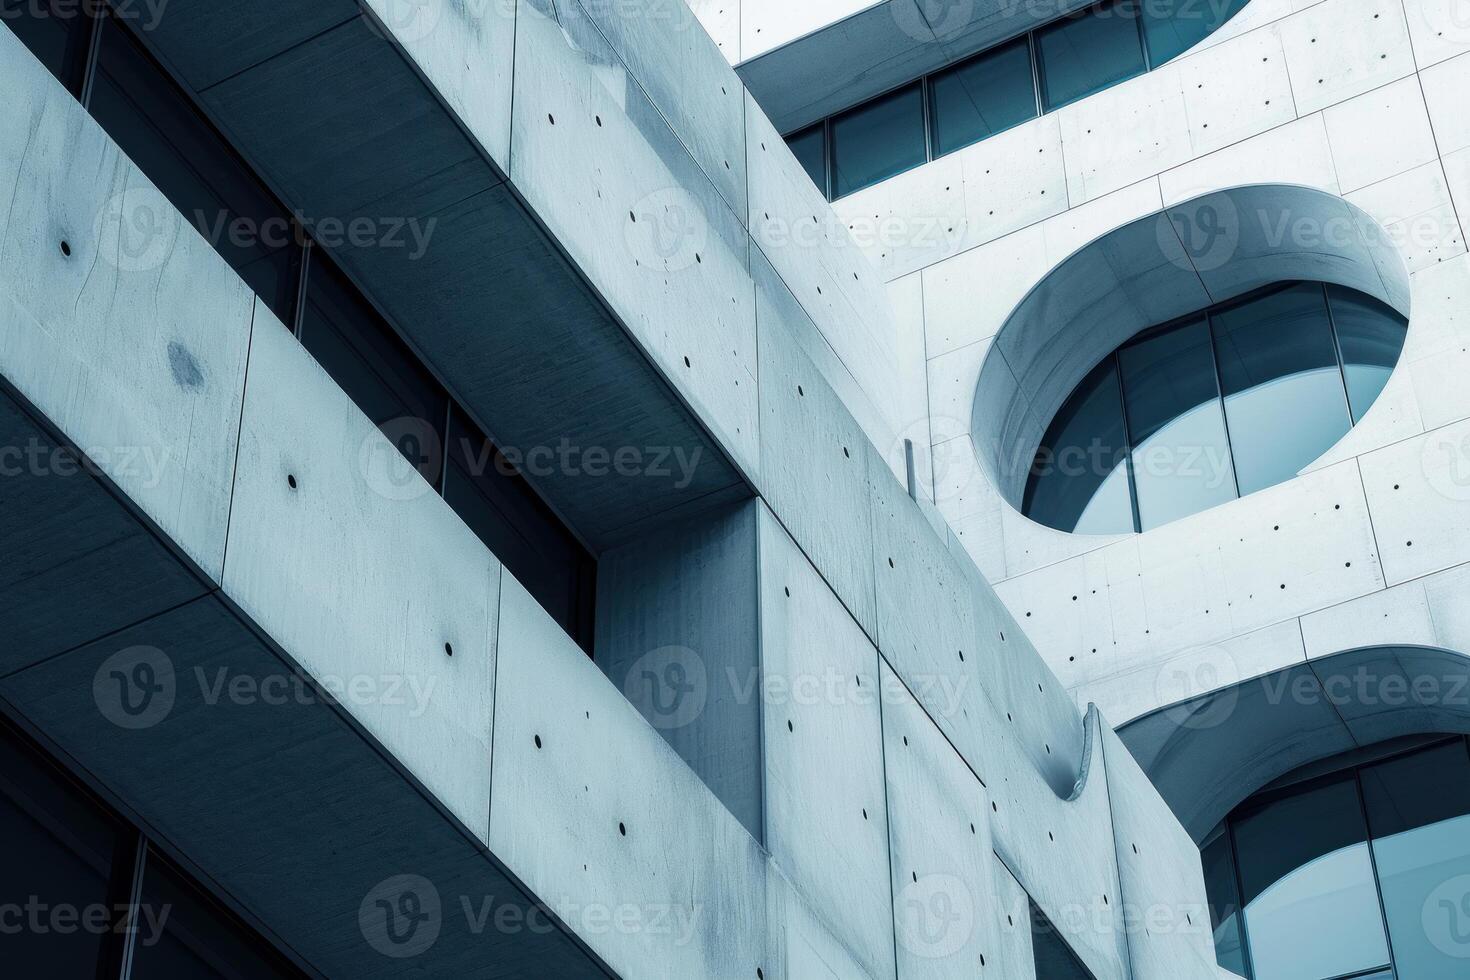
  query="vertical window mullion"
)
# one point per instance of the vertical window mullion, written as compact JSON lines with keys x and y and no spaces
{"x":1127,"y":446}
{"x":1035,"y":74}
{"x":1347,"y":397}
{"x":299,"y":312}
{"x":94,"y":47}
{"x":1373,"y":863}
{"x":926,"y":103}
{"x":1220,"y":397}
{"x":1136,"y":6}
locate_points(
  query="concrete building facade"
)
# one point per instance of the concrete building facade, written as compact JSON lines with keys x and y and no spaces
{"x":473,"y":506}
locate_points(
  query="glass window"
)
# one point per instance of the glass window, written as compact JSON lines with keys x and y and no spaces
{"x":159,"y":128}
{"x":982,"y":96}
{"x":877,"y":140}
{"x":57,"y":33}
{"x":1086,"y":53}
{"x":59,"y":855}
{"x":1371,"y":336}
{"x":1172,"y":27}
{"x":1311,"y":902}
{"x":1419,"y":814}
{"x":1284,"y":399}
{"x":1079,"y":481}
{"x":810,"y":147}
{"x":498,"y":504}
{"x":184,"y":934}
{"x":1218,"y":859}
{"x":1181,"y":456}
{"x":373,"y":365}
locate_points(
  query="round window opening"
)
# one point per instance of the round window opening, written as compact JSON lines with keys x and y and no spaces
{"x":1213,"y":406}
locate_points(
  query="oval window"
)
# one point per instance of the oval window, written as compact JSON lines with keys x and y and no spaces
{"x":1217,"y":405}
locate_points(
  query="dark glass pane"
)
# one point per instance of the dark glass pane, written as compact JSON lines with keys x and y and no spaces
{"x":56,"y":31}
{"x":1419,"y":813}
{"x":182,"y":934}
{"x":1371,"y":336}
{"x":1079,"y":481}
{"x":1181,"y":457}
{"x":1218,"y":859}
{"x":374,"y":367}
{"x":1283,"y":391}
{"x":159,"y":128}
{"x":810,"y":147}
{"x":1053,"y":957}
{"x":1311,"y":903}
{"x":497,"y":503}
{"x":982,"y":96}
{"x":877,"y":140}
{"x":1172,"y":27}
{"x":59,"y":853}
{"x":1087,"y":53}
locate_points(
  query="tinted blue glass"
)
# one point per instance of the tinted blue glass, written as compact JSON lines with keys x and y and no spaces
{"x":1085,"y":54}
{"x":1218,"y":859}
{"x":1181,"y":456}
{"x":1371,"y":336}
{"x":1079,"y":480}
{"x":1172,"y":27}
{"x":1419,"y":814}
{"x":1284,"y":399}
{"x":55,"y":31}
{"x":1311,"y":903}
{"x":810,"y":148}
{"x":877,"y":140}
{"x":982,"y":96}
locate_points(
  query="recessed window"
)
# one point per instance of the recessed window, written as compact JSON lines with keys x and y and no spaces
{"x":982,"y":96}
{"x":1089,"y":52}
{"x":877,"y":140}
{"x":810,"y":148}
{"x":1197,"y":412}
{"x":1172,"y":27}
{"x":57,"y":33}
{"x":1358,"y":873}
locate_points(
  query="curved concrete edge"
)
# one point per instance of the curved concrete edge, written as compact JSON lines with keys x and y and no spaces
{"x":1154,"y":269}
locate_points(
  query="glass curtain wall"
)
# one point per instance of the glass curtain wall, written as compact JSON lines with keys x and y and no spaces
{"x":1364,"y":872}
{"x":1222,"y":404}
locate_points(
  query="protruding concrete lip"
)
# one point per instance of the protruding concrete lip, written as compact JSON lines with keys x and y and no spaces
{"x":1168,"y":264}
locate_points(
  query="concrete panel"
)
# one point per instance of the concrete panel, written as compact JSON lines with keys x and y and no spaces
{"x":207,"y":42}
{"x":1393,"y":616}
{"x":1419,"y":495}
{"x":910,"y":220}
{"x":1439,"y":30}
{"x":602,"y":820}
{"x":1417,"y":212}
{"x":1017,"y":958}
{"x":1297,"y":153}
{"x":687,"y":79}
{"x":677,"y":633}
{"x":826,"y":811}
{"x":768,"y":23}
{"x":1014,"y":179}
{"x":653,"y":235}
{"x":1444,"y":88}
{"x":1389,"y":692}
{"x":363,"y":574}
{"x":1342,"y":48}
{"x":1236,"y":90}
{"x":815,"y":466}
{"x":1402,"y":140}
{"x":945,"y":899}
{"x":245,"y":768}
{"x":721,"y":21}
{"x":467,"y":53}
{"x":1165,"y":908}
{"x":809,"y":950}
{"x":968,"y":297}
{"x":134,"y":349}
{"x":1126,"y":133}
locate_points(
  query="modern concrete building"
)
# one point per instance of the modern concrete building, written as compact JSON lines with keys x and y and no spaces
{"x":854,"y":489}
